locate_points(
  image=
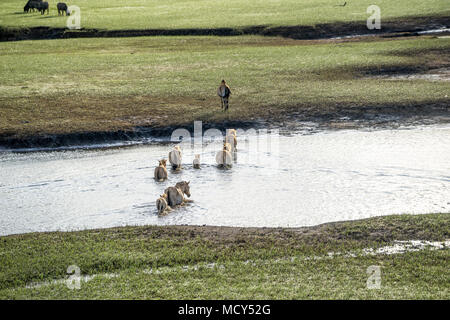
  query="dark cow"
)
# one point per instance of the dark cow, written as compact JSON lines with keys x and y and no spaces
{"x":43,"y":6}
{"x":62,"y":8}
{"x":32,"y":5}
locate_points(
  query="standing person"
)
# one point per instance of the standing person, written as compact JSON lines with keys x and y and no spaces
{"x":224,"y":92}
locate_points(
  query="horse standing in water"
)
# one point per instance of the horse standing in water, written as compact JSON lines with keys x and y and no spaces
{"x":175,"y":158}
{"x":196,"y":162}
{"x":231,"y":139}
{"x":175,"y":195}
{"x":161,"y":171}
{"x":224,"y":158}
{"x":161,"y":204}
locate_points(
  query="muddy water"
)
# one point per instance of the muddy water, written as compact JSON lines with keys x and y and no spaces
{"x":276,"y":180}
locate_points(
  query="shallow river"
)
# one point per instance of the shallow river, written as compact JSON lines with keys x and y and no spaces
{"x":277,"y":180}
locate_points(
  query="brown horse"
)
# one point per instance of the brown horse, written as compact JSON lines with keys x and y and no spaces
{"x":231,"y":139}
{"x":161,"y":204}
{"x":161,"y":171}
{"x":175,"y":195}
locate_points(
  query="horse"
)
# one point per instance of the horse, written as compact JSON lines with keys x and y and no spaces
{"x":161,"y":204}
{"x":196,"y":162}
{"x":175,"y":195}
{"x":227,"y":146}
{"x":231,"y":139}
{"x":224,"y":158}
{"x":175,"y":158}
{"x":161,"y":171}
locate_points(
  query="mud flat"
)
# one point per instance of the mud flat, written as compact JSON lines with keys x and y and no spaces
{"x":389,"y":117}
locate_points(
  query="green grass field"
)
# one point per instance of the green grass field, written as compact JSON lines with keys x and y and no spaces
{"x":228,"y":263}
{"x":78,"y":85}
{"x":173,"y":14}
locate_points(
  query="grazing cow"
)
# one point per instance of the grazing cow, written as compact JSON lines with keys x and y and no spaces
{"x":32,"y":5}
{"x":43,"y":6}
{"x":161,"y":171}
{"x":62,"y":8}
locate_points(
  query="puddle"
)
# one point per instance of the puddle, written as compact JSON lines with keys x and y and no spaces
{"x":442,"y":74}
{"x":431,"y":31}
{"x":83,"y":279}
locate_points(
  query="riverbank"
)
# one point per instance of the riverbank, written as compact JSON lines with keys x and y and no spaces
{"x":187,"y":262}
{"x":86,"y":91}
{"x":362,"y":118}
{"x":400,"y":27}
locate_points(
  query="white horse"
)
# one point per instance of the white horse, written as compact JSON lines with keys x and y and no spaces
{"x":196,"y":162}
{"x":175,"y":158}
{"x":224,"y":157}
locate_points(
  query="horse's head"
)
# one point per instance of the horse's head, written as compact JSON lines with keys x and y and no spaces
{"x":163,"y":162}
{"x":184,"y":187}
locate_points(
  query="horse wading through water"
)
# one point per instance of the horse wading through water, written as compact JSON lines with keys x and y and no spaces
{"x":175,"y":195}
{"x":161,"y":204}
{"x":161,"y":171}
{"x":175,"y":158}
